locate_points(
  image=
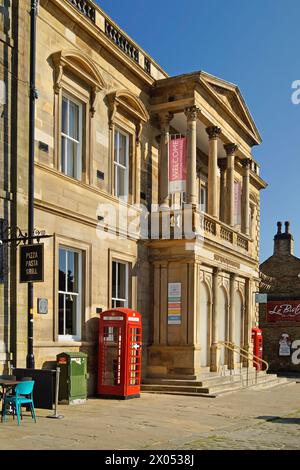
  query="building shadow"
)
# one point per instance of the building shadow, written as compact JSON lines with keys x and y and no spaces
{"x":279,"y":420}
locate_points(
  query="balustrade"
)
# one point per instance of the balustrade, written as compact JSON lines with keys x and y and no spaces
{"x":86,"y":8}
{"x":121,"y":41}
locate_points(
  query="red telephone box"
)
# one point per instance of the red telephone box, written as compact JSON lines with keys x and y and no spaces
{"x":120,"y":356}
{"x":257,"y":340}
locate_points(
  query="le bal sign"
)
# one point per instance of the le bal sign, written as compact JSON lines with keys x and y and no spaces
{"x":32,"y":263}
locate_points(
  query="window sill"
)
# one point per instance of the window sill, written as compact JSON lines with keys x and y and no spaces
{"x":63,"y":344}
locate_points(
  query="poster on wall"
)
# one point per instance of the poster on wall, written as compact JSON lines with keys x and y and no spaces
{"x":174,"y":303}
{"x":285,"y":345}
{"x":177,"y":165}
{"x":284,"y":310}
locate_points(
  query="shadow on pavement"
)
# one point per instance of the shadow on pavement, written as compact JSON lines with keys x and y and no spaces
{"x":278,"y":419}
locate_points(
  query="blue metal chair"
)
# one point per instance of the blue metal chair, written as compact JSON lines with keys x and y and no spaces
{"x":22,"y":396}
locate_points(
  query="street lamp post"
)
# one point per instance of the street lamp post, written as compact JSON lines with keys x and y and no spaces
{"x":30,"y":362}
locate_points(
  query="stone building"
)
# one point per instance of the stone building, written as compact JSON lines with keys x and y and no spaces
{"x":279,"y":318}
{"x":105,"y":116}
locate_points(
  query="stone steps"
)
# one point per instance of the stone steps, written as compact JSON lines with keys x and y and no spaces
{"x":212,"y":386}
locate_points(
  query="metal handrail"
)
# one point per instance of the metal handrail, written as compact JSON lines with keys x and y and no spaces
{"x":247,"y":355}
{"x":257,"y":360}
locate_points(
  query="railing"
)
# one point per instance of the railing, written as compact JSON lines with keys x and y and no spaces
{"x":147,"y":65}
{"x":86,"y":8}
{"x":180,"y":223}
{"x":242,"y":242}
{"x":246,"y":355}
{"x":121,"y":41}
{"x":226,"y":234}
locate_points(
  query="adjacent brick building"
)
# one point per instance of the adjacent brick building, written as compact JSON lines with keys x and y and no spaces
{"x":280,"y":317}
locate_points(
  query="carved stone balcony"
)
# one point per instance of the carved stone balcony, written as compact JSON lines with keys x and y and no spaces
{"x":86,"y":8}
{"x":189,"y":224}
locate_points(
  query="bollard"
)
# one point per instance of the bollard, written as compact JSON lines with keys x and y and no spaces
{"x":56,"y":415}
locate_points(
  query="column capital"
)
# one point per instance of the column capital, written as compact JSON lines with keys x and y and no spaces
{"x":246,"y":163}
{"x":213,"y":132}
{"x":165,"y":119}
{"x":230,"y":149}
{"x":192,"y":113}
{"x":217,"y":271}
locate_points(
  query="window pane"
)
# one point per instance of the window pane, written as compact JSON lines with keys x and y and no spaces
{"x":123,"y":150}
{"x":62,"y":270}
{"x":61,"y":314}
{"x":71,"y":315}
{"x":63,"y":155}
{"x":122,"y":182}
{"x":116,"y":146}
{"x":72,"y":271}
{"x":64,"y":123}
{"x":74,"y":120}
{"x":72,"y":159}
{"x":114,"y":277}
{"x":122,"y":294}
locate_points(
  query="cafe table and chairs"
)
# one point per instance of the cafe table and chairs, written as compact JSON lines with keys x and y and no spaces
{"x":22,"y":396}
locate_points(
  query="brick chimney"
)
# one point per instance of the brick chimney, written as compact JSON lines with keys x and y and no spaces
{"x":283,"y":241}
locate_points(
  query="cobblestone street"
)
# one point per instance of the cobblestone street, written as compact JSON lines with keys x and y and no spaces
{"x":264,"y":419}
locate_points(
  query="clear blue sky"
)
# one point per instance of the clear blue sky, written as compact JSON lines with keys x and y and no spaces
{"x":253,"y":44}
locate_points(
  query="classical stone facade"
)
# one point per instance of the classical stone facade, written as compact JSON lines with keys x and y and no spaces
{"x":105,"y":116}
{"x":282,"y":284}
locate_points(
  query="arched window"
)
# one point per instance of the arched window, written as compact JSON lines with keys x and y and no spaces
{"x":77,"y":82}
{"x":127,"y":115}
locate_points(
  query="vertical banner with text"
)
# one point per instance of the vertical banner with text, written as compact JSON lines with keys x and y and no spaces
{"x":177,"y":164}
{"x":174,"y":303}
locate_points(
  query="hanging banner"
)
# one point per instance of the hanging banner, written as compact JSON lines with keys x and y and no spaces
{"x":285,"y":310}
{"x":174,"y":303}
{"x":177,"y":165}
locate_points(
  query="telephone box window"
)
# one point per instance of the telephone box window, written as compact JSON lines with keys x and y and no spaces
{"x":69,"y":324}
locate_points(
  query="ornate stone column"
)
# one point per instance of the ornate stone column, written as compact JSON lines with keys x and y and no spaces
{"x":215,"y":352}
{"x":164,"y":120}
{"x":223,"y":192}
{"x":246,"y":197}
{"x":247,"y":319}
{"x":192,"y":114}
{"x":232,"y":317}
{"x":230,"y":150}
{"x":213,"y":133}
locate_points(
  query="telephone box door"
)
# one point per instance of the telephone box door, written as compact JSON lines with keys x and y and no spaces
{"x":134,"y":360}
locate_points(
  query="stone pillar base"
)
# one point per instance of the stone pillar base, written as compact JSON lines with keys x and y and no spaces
{"x":173,"y":361}
{"x":214,"y":357}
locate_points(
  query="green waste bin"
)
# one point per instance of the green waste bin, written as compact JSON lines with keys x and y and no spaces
{"x":73,"y":378}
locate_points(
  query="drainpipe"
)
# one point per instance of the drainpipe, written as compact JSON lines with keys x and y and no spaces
{"x":30,"y":362}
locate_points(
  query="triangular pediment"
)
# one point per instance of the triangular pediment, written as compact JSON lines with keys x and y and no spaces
{"x":230,"y":95}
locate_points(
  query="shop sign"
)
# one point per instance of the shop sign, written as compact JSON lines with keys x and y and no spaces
{"x":177,"y":165}
{"x":284,"y":310}
{"x":32,"y":263}
{"x":174,"y":303}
